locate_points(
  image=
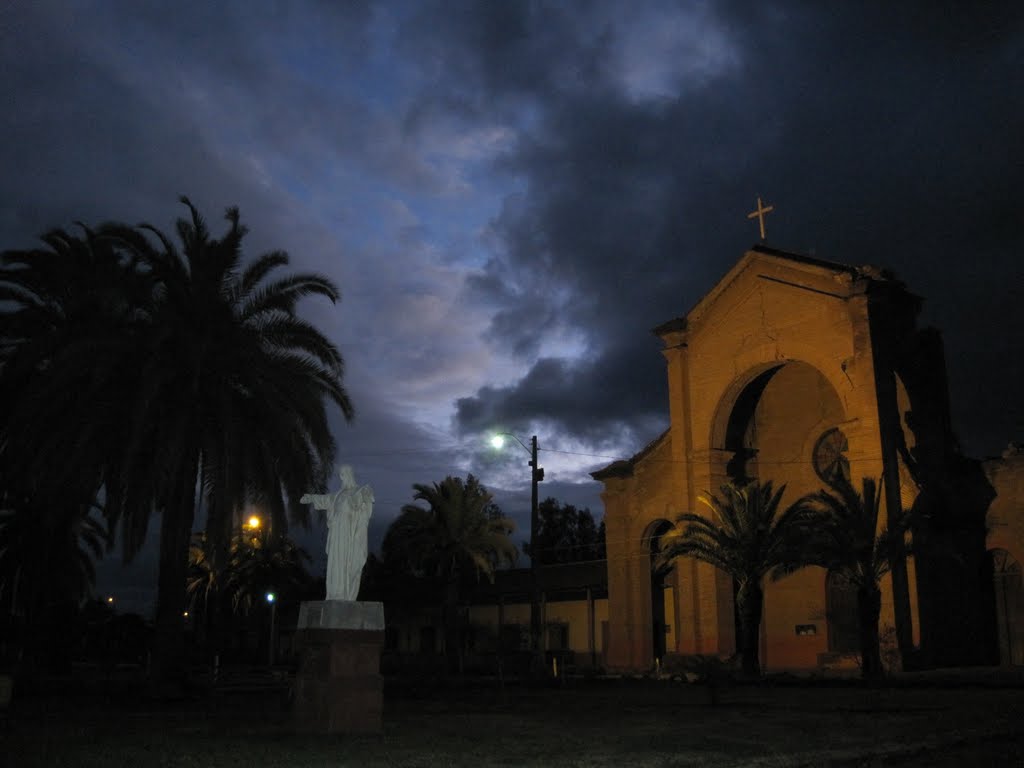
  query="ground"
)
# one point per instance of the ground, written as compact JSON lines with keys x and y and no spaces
{"x":612,"y":722}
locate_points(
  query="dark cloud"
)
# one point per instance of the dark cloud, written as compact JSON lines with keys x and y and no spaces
{"x":590,"y":401}
{"x":879,"y":140}
{"x":483,"y":57}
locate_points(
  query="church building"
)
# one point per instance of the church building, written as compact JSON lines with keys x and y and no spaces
{"x":794,"y":369}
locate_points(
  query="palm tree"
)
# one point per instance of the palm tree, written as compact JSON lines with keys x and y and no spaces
{"x":48,"y":557}
{"x":203,"y":584}
{"x":69,"y":341}
{"x":66,"y":313}
{"x":47,"y":570}
{"x":747,"y":538}
{"x":454,"y":537}
{"x":257,"y":567}
{"x":204,"y":593}
{"x":184,"y":366}
{"x":841,"y":536}
{"x":231,"y":393}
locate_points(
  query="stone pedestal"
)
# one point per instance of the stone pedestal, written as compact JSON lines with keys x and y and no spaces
{"x":338,"y":687}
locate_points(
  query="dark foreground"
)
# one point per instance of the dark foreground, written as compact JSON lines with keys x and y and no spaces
{"x":588,"y":723}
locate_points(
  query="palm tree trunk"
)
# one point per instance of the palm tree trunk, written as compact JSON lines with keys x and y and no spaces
{"x":869,"y":608}
{"x":749,"y":603}
{"x":168,"y":663}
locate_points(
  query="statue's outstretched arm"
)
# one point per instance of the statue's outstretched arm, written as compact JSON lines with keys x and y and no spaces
{"x":318,"y":500}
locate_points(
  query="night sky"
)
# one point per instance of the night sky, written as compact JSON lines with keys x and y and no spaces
{"x":511,"y":195}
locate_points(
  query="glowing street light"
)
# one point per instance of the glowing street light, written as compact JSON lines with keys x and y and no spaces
{"x":252,"y":526}
{"x":272,"y":601}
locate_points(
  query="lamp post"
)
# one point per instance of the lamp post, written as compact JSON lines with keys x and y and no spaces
{"x":536,"y":476}
{"x":272,"y":599}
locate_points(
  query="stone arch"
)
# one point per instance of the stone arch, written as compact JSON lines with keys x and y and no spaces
{"x":1009,"y":606}
{"x":753,"y":380}
{"x":782,"y":406}
{"x":766,"y":426}
{"x":658,"y":581}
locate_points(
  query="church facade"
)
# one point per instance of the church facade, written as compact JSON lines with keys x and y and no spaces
{"x":793,"y":369}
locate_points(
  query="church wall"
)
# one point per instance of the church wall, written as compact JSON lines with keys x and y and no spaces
{"x":812,"y":323}
{"x":764,"y":324}
{"x":1005,"y":521}
{"x":681,"y":635}
{"x":826,"y":379}
{"x":795,"y":628}
{"x":1006,"y":512}
{"x":797,"y":405}
{"x":620,"y":652}
{"x":632,"y":505}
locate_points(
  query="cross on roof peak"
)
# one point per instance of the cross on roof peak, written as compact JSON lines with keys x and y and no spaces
{"x":759,"y":214}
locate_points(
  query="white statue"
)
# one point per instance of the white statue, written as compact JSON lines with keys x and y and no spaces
{"x":348,"y":517}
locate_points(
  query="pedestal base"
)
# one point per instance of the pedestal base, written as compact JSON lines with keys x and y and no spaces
{"x":338,"y":687}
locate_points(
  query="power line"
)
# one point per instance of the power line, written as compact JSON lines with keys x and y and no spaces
{"x":754,"y":458}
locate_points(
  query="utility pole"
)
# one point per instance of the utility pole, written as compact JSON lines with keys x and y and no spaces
{"x":536,"y":475}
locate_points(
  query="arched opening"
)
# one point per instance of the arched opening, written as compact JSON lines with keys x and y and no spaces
{"x":740,"y":430}
{"x":841,"y":614}
{"x":782,"y":422}
{"x":785,"y":425}
{"x":659,"y":577}
{"x":1009,"y":600}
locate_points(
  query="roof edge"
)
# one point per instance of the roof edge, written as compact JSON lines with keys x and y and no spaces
{"x":624,"y":467}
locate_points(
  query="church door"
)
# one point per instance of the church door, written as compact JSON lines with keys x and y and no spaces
{"x":658,"y":576}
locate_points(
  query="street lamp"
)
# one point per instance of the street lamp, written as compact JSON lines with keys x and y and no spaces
{"x":536,"y":476}
{"x":253,"y":525}
{"x":272,"y":600}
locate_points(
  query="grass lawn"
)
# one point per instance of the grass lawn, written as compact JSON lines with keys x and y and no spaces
{"x":597,"y":723}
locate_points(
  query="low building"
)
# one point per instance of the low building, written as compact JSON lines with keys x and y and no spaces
{"x":495,"y":620}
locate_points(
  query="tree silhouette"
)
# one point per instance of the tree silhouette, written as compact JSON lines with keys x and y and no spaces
{"x":566,"y":534}
{"x":746,"y":537}
{"x":47,"y":556}
{"x":451,"y":539}
{"x":187,"y":366}
{"x":840,"y":534}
